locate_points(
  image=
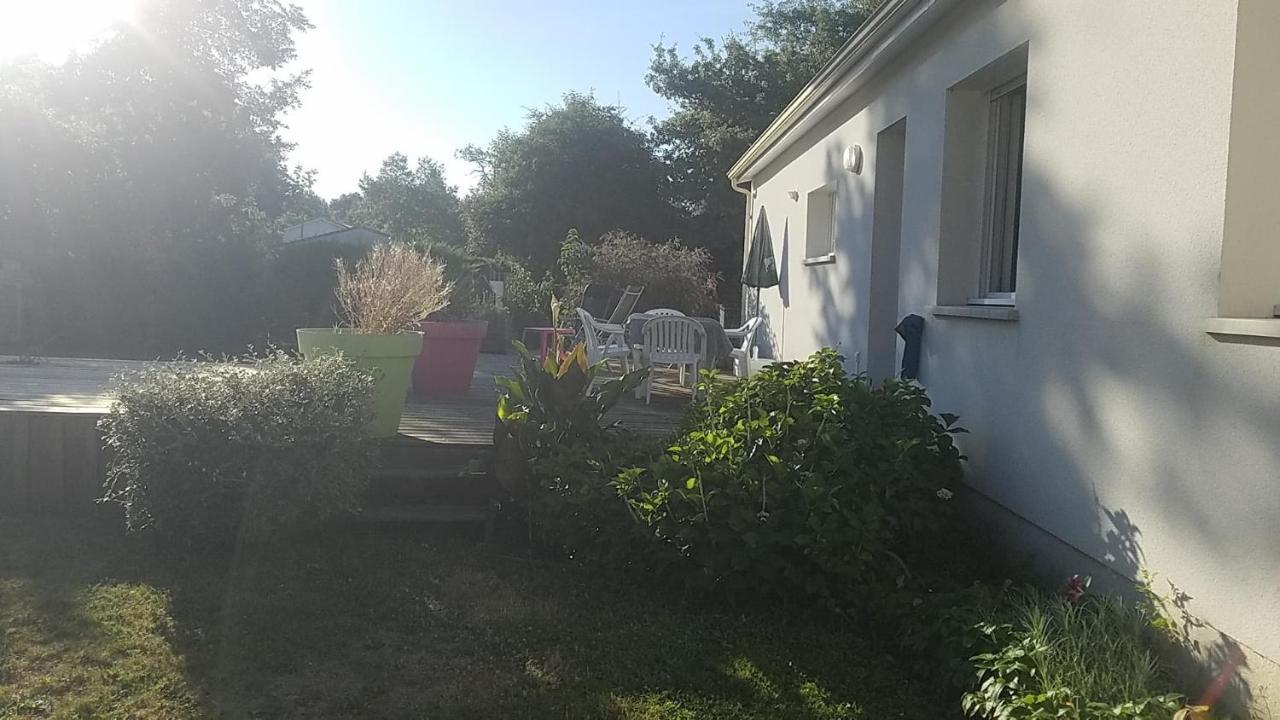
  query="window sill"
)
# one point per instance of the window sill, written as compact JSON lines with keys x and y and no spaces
{"x":819,"y":260}
{"x":1006,"y":313}
{"x":1244,"y":327}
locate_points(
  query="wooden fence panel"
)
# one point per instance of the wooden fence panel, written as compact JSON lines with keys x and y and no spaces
{"x":14,"y":430}
{"x":50,"y":462}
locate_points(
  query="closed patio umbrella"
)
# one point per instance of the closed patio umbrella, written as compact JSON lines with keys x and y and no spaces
{"x":761,"y":269}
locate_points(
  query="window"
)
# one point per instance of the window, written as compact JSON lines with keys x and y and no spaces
{"x":1005,"y":130}
{"x":982,"y":159}
{"x":820,"y":225}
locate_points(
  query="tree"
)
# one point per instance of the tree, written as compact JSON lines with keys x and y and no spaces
{"x":142,"y":177}
{"x":576,"y":165}
{"x":341,"y":207}
{"x":408,"y":203}
{"x":725,"y":95}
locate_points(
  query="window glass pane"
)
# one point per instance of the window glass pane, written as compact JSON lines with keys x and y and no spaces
{"x":820,"y":223}
{"x":1008,"y":118}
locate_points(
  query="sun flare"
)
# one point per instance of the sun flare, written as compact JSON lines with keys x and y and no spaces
{"x":53,"y":29}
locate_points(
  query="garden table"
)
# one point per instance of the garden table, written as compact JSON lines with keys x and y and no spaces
{"x":718,"y":345}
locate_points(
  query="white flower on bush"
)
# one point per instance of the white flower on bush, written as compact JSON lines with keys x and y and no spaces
{"x":945,"y":494}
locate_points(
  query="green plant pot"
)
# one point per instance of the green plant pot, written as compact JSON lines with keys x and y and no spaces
{"x":388,"y":357}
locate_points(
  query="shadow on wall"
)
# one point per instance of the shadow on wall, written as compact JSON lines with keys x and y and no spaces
{"x":1101,"y":414}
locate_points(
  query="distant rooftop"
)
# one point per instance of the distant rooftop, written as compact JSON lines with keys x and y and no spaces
{"x":333,"y":231}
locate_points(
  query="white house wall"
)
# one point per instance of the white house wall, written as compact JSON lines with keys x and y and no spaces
{"x":1104,"y":414}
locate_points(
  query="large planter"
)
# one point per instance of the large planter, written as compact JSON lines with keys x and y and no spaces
{"x":388,"y":357}
{"x":448,"y":360}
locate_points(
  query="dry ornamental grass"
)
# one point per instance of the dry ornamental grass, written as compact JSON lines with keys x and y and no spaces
{"x":391,"y":289}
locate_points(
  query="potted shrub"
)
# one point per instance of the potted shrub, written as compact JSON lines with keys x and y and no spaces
{"x":382,"y":301}
{"x":452,"y":339}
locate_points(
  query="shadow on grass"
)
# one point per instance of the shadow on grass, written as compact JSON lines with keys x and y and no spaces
{"x":384,"y":623}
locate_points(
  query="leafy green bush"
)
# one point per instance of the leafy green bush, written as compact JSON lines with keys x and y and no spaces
{"x":470,"y":297}
{"x":673,"y":275}
{"x":1086,"y":659}
{"x":203,"y":451}
{"x":298,"y":284}
{"x":558,"y":454}
{"x":801,"y":478}
{"x":527,"y":298}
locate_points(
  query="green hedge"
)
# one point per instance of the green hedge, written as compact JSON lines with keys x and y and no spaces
{"x":206,"y":451}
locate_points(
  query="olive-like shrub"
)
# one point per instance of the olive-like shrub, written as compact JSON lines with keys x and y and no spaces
{"x":206,"y":452}
{"x":801,"y":480}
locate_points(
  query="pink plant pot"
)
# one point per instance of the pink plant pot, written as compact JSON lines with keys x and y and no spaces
{"x":448,"y":359}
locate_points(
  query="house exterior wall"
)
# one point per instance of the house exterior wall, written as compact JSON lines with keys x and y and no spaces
{"x":1104,"y":414}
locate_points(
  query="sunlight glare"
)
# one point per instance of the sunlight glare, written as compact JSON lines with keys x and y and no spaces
{"x":53,"y":29}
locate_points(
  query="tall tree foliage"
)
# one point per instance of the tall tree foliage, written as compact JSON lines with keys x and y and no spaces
{"x":726,"y":93}
{"x":139,"y":177}
{"x":575,"y":165}
{"x":408,"y":203}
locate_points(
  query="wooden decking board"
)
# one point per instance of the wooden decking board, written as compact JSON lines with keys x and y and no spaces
{"x":75,"y":385}
{"x":51,"y":457}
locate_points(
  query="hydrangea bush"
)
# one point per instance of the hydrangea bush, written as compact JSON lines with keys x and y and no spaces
{"x":801,"y":478}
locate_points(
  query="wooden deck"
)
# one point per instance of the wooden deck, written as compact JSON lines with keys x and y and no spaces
{"x":469,"y":420}
{"x":51,"y":453}
{"x":75,"y":385}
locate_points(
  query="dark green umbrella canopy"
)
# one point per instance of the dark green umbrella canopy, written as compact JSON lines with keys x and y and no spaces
{"x":761,"y":270}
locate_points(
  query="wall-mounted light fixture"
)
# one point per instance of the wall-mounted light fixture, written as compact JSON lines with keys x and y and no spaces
{"x":793,"y":194}
{"x":853,"y":159}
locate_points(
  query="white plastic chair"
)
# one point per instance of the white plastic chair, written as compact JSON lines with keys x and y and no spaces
{"x":603,"y":341}
{"x":743,"y":338}
{"x":673,"y":340}
{"x":664,"y":312}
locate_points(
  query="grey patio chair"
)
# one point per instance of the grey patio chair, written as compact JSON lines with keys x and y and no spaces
{"x":625,"y":305}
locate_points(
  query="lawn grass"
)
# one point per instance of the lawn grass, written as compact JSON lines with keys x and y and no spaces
{"x":399,"y":624}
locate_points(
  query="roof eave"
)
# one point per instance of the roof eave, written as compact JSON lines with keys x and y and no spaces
{"x":893,"y":23}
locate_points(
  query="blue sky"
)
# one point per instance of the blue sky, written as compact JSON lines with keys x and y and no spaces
{"x":429,"y":77}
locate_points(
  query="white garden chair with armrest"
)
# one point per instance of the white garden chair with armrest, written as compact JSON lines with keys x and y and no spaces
{"x":603,"y":341}
{"x":673,"y":340}
{"x":663,"y":312}
{"x":743,"y":338}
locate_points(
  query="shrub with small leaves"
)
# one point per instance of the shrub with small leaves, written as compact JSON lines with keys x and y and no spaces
{"x":801,"y":479}
{"x":204,"y":451}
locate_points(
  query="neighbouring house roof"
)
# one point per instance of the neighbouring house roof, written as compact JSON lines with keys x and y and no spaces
{"x":331,"y":231}
{"x":880,"y":39}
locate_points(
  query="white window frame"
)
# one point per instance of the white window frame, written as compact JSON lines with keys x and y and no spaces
{"x":993,"y":290}
{"x":829,"y":193}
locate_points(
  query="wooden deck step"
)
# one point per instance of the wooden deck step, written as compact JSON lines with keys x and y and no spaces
{"x":426,"y":514}
{"x":431,"y":515}
{"x":408,"y":486}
